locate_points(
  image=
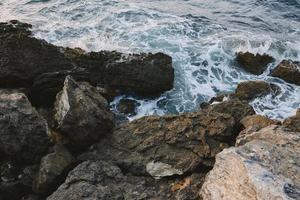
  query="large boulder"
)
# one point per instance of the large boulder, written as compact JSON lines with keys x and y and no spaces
{"x":53,"y":169}
{"x":171,"y":145}
{"x":102,"y":180}
{"x":289,"y":71}
{"x":249,"y":90}
{"x":266,"y":166}
{"x":23,"y":132}
{"x":41,"y":67}
{"x":82,"y":114}
{"x":255,"y":64}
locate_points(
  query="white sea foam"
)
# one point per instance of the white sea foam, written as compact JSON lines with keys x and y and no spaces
{"x":201,"y":36}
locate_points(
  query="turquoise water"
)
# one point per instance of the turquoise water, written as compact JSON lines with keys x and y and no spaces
{"x":202,"y":36}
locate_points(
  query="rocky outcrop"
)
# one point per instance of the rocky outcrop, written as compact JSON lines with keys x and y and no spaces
{"x":82,"y":114}
{"x":264,"y":167}
{"x":289,"y":71}
{"x":293,"y":123}
{"x":255,"y":64}
{"x":52,"y":170}
{"x":172,"y":145}
{"x":103,"y":180}
{"x":41,"y":67}
{"x":249,"y":90}
{"x":23,"y":132}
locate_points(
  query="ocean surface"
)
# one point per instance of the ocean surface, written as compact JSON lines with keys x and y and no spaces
{"x":202,"y":36}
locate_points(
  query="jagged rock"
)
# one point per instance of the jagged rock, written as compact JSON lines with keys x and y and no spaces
{"x":289,"y":71}
{"x":293,"y":122}
{"x":235,"y":107}
{"x":23,"y":132}
{"x":82,"y":114}
{"x":53,"y":167}
{"x":266,"y":166}
{"x":41,"y":67}
{"x":249,"y":90}
{"x":255,"y":64}
{"x":166,"y":146}
{"x":103,"y":180}
{"x":127,"y":106}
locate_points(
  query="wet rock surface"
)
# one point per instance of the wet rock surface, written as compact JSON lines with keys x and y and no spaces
{"x":249,"y":90}
{"x":255,"y":64}
{"x":289,"y":71}
{"x":82,"y":114}
{"x":127,"y":106}
{"x":41,"y":67}
{"x":23,"y":132}
{"x":263,"y":167}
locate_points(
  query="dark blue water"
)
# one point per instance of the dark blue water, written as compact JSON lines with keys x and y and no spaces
{"x":202,"y":36}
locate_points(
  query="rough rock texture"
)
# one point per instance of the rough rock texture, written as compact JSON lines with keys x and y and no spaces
{"x":15,"y":180}
{"x":95,"y":180}
{"x":52,"y":169}
{"x":41,"y":67}
{"x":249,"y":90}
{"x":255,"y":64}
{"x":258,"y":121}
{"x":266,"y":166}
{"x":23,"y":132}
{"x":172,"y":145}
{"x":289,"y":71}
{"x":293,"y":123}
{"x":82,"y":114}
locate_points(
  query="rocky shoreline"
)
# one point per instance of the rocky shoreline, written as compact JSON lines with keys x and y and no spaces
{"x":59,"y":139}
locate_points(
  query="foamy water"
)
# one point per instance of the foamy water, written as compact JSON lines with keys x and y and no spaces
{"x":202,"y":36}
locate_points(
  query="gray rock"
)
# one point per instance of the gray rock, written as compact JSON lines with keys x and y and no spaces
{"x":82,"y":114}
{"x":23,"y":132}
{"x":53,"y":167}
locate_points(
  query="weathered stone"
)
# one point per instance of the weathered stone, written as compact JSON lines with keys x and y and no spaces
{"x":288,"y":71}
{"x":258,"y":121}
{"x":23,"y":132}
{"x":166,"y":146}
{"x":266,"y":166}
{"x":249,"y":90}
{"x":293,"y":122}
{"x":102,"y":180}
{"x":82,"y":114}
{"x":53,"y":167}
{"x":41,"y":67}
{"x":255,"y":64}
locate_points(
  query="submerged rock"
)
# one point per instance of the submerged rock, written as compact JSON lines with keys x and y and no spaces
{"x":255,"y":64}
{"x":23,"y":132}
{"x":289,"y":71}
{"x":249,"y":90}
{"x":264,"y":167}
{"x":82,"y":114}
{"x":41,"y":67}
{"x":127,"y":106}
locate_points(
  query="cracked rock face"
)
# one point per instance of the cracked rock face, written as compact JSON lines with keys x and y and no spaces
{"x":289,"y":71}
{"x":23,"y":132}
{"x":81,"y":113}
{"x":166,"y":146}
{"x":265,"y":167}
